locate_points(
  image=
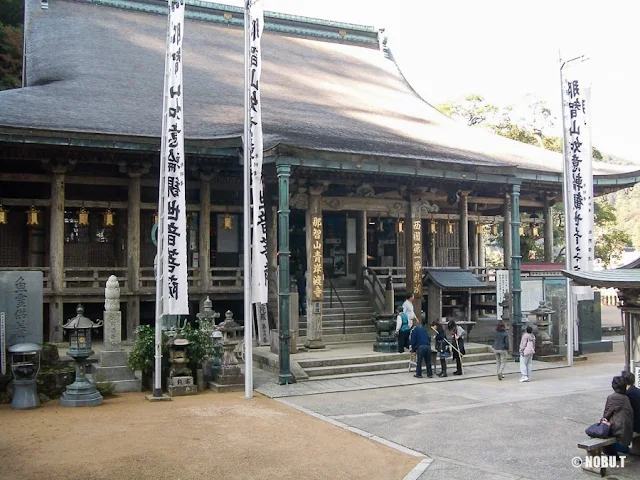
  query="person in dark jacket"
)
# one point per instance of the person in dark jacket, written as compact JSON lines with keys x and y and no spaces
{"x":619,"y":415}
{"x":633,"y":393}
{"x":500,"y":348}
{"x":442,"y":347}
{"x":421,"y":344}
{"x":458,"y":334}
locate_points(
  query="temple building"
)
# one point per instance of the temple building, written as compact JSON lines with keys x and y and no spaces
{"x":371,"y":178}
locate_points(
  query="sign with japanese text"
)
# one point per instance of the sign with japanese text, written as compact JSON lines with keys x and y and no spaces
{"x":173,"y":212}
{"x":576,"y":98}
{"x":416,"y":256}
{"x":317,"y":273}
{"x":259,"y":266}
{"x":502,"y":290}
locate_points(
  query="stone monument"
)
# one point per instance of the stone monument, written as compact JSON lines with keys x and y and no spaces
{"x":180,"y":379}
{"x":21,"y":301}
{"x":207,"y":323}
{"x":229,"y":377}
{"x":112,"y":361}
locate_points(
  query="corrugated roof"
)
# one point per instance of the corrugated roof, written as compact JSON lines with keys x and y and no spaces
{"x":453,"y":278}
{"x":99,"y":69}
{"x":621,"y":278}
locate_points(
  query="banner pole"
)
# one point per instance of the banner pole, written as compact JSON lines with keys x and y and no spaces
{"x":248,"y":318}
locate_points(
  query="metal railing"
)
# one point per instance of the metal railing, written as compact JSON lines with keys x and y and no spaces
{"x":374,"y":286}
{"x":332,"y":289}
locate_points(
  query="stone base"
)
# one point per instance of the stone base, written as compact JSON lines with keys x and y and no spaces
{"x":274,"y":344}
{"x":112,"y":367}
{"x":597,"y":346}
{"x":545,"y":349}
{"x":25,"y":395}
{"x":81,"y":395}
{"x":314,"y":344}
{"x":222,"y":388}
{"x":385,"y":344}
{"x":180,"y":386}
{"x":163,"y":398}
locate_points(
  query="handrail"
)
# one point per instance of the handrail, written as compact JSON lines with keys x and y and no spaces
{"x":332,"y":289}
{"x":375,"y":282}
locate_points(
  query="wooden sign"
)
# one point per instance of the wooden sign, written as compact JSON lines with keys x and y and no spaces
{"x":416,"y":256}
{"x":317,"y":271}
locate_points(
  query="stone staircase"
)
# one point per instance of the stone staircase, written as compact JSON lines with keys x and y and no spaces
{"x":358,"y":315}
{"x":382,"y":363}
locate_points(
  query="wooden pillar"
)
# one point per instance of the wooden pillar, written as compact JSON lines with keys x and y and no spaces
{"x":204,"y":240}
{"x":315,"y":269}
{"x":272,"y":261}
{"x":361,"y":246}
{"x":464,"y":229}
{"x":414,"y":255}
{"x":284,"y":334}
{"x":473,"y":243}
{"x":516,"y":289}
{"x":133,"y":253}
{"x":56,"y":254}
{"x":506,"y":232}
{"x":548,"y":230}
{"x":482,"y":255}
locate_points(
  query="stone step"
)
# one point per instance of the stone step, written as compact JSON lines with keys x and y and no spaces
{"x":337,"y":330}
{"x":337,"y":308}
{"x":404,"y":370}
{"x":349,"y":338}
{"x":356,"y":368}
{"x":474,"y":354}
{"x":111,"y":374}
{"x":351,"y":303}
{"x":333,"y":322}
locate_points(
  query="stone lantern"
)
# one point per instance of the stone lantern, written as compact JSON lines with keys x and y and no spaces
{"x":81,"y":393}
{"x":180,"y":380}
{"x":229,"y":377}
{"x":544,"y":345}
{"x":207,"y":324}
{"x":25,"y":365}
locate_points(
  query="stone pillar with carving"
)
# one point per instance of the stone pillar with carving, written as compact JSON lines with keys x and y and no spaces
{"x":414,"y":254}
{"x":464,"y":229}
{"x":112,"y":360}
{"x":506,"y":231}
{"x":56,"y":253}
{"x":315,"y":269}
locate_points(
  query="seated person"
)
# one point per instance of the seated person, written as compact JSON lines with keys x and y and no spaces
{"x":633,"y":393}
{"x":619,"y":415}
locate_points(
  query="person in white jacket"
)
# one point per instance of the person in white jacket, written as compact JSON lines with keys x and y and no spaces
{"x":527,"y":350}
{"x":407,"y":307}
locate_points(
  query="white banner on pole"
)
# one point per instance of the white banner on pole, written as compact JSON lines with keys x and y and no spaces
{"x":259,"y":268}
{"x":502,"y":290}
{"x":576,"y":109}
{"x":173,"y":210}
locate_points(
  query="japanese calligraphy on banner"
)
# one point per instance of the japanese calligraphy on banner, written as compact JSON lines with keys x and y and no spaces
{"x":172,"y":191}
{"x":317,"y":279}
{"x":416,"y":256}
{"x":576,"y":98}
{"x":259,"y":266}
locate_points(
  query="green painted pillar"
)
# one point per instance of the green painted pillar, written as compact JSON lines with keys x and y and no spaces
{"x":283,"y":273}
{"x":516,"y":258}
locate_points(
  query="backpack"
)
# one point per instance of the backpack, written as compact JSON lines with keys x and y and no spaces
{"x":405,"y":322}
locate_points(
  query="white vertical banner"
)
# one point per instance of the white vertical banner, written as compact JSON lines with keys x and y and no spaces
{"x":576,"y":106}
{"x":502,"y":290}
{"x":259,"y":267}
{"x":173,"y":210}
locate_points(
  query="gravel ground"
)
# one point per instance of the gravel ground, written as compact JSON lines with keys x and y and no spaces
{"x":206,"y":436}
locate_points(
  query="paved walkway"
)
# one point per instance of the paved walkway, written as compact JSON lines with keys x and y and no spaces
{"x":267,"y":383}
{"x":482,"y":428}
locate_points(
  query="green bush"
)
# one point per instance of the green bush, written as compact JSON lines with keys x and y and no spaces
{"x":142,"y":355}
{"x":200,"y":345}
{"x":106,"y":389}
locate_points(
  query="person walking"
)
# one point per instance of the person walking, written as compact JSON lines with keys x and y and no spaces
{"x":403,"y":328}
{"x":527,"y":350}
{"x":500,"y":348}
{"x":442,"y":347}
{"x":458,"y":334}
{"x":407,"y":307}
{"x":421,"y":344}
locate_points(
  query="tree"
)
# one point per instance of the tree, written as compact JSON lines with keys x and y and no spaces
{"x":611,"y":236}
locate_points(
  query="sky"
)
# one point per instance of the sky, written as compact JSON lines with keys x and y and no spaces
{"x":505,"y":50}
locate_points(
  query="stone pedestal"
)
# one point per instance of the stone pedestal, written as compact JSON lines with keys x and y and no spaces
{"x":229,"y":377}
{"x":590,"y":327}
{"x":112,"y":367}
{"x":180,"y":386}
{"x":386,"y":341}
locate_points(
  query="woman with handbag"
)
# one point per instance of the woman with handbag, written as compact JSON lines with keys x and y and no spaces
{"x":527,"y":350}
{"x":618,"y":414}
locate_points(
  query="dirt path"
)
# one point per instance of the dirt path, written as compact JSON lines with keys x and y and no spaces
{"x":207,"y":436}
